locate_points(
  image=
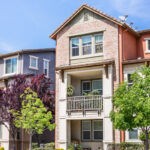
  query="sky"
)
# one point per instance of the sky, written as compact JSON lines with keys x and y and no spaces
{"x":26,"y":24}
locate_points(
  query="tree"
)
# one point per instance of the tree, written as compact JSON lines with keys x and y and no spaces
{"x":10,"y":99}
{"x":132,"y":104}
{"x":33,"y":116}
{"x":42,"y":86}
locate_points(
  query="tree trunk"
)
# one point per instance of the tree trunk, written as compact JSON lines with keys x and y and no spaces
{"x":30,"y":144}
{"x":146,"y":140}
{"x":14,"y":142}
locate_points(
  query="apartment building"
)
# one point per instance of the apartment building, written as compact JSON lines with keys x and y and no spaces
{"x":94,"y":51}
{"x":30,"y":62}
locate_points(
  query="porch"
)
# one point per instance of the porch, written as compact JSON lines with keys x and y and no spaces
{"x":87,"y":133}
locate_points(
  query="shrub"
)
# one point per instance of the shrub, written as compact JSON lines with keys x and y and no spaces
{"x":42,"y":149}
{"x":49,"y":145}
{"x":34,"y":145}
{"x":71,"y":147}
{"x":1,"y":148}
{"x":70,"y":90}
{"x":126,"y":146}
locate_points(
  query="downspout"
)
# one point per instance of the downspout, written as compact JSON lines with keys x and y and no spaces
{"x":121,"y":48}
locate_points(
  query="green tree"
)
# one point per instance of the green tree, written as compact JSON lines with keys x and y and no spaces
{"x":132,"y":104}
{"x":33,"y":116}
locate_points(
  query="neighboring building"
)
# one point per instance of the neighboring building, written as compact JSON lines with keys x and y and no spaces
{"x":93,"y":52}
{"x":30,"y":62}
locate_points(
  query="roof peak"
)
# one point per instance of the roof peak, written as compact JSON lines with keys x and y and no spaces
{"x":94,"y":10}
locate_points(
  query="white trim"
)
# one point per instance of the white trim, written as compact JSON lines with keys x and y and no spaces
{"x":9,"y":74}
{"x":46,"y":60}
{"x":93,"y":53}
{"x":147,"y":50}
{"x":31,"y":67}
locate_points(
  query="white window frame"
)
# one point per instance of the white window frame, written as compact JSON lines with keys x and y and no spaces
{"x":34,"y":57}
{"x":72,"y":47}
{"x":97,"y":44}
{"x":91,"y":131}
{"x":7,"y":74}
{"x":87,"y":130}
{"x":96,"y":130}
{"x":87,"y":45}
{"x":147,"y":50}
{"x":93,"y":53}
{"x":46,"y":60}
{"x":85,"y":82}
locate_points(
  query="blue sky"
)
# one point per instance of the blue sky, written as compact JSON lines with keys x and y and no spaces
{"x":26,"y":24}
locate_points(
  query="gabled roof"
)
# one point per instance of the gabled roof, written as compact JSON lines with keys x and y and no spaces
{"x":26,"y":51}
{"x":100,"y":13}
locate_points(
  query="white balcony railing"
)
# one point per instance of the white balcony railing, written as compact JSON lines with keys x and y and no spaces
{"x":85,"y":103}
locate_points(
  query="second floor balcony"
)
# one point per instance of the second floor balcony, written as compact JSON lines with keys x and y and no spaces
{"x":85,"y":103}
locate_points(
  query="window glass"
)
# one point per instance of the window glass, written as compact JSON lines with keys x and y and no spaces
{"x":148,"y":44}
{"x":8,"y":66}
{"x":11,"y":65}
{"x":97,"y":85}
{"x":0,"y":131}
{"x":86,"y":45}
{"x":75,"y":47}
{"x":86,"y":130}
{"x":33,"y":62}
{"x":98,"y":129}
{"x":133,"y":134}
{"x":14,"y":65}
{"x":46,"y":64}
{"x":99,"y":43}
{"x":86,"y":86}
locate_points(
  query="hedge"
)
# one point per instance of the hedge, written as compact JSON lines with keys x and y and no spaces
{"x":125,"y":146}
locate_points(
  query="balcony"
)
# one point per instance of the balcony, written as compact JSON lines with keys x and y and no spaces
{"x":84,"y":103}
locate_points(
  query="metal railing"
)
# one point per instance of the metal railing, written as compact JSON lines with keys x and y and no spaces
{"x":85,"y":103}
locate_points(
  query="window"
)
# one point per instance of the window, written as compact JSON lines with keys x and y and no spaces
{"x":86,"y":86}
{"x":87,"y":45}
{"x":97,"y":85}
{"x":0,"y":131}
{"x":147,"y":44}
{"x":92,"y":130}
{"x":97,"y":129}
{"x":75,"y":46}
{"x":99,"y":43}
{"x":86,"y":130}
{"x":46,"y":67}
{"x":133,"y":134}
{"x":11,"y":65}
{"x":91,"y":85}
{"x":130,"y":82}
{"x":33,"y":62}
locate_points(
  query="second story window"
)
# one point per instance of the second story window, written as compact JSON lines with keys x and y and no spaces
{"x":99,"y":43}
{"x":75,"y":47}
{"x":33,"y":62}
{"x":86,"y":45}
{"x":11,"y":65}
{"x":46,"y":67}
{"x":148,"y":45}
{"x":89,"y":45}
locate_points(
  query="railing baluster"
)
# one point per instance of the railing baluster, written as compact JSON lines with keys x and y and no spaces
{"x":84,"y":103}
